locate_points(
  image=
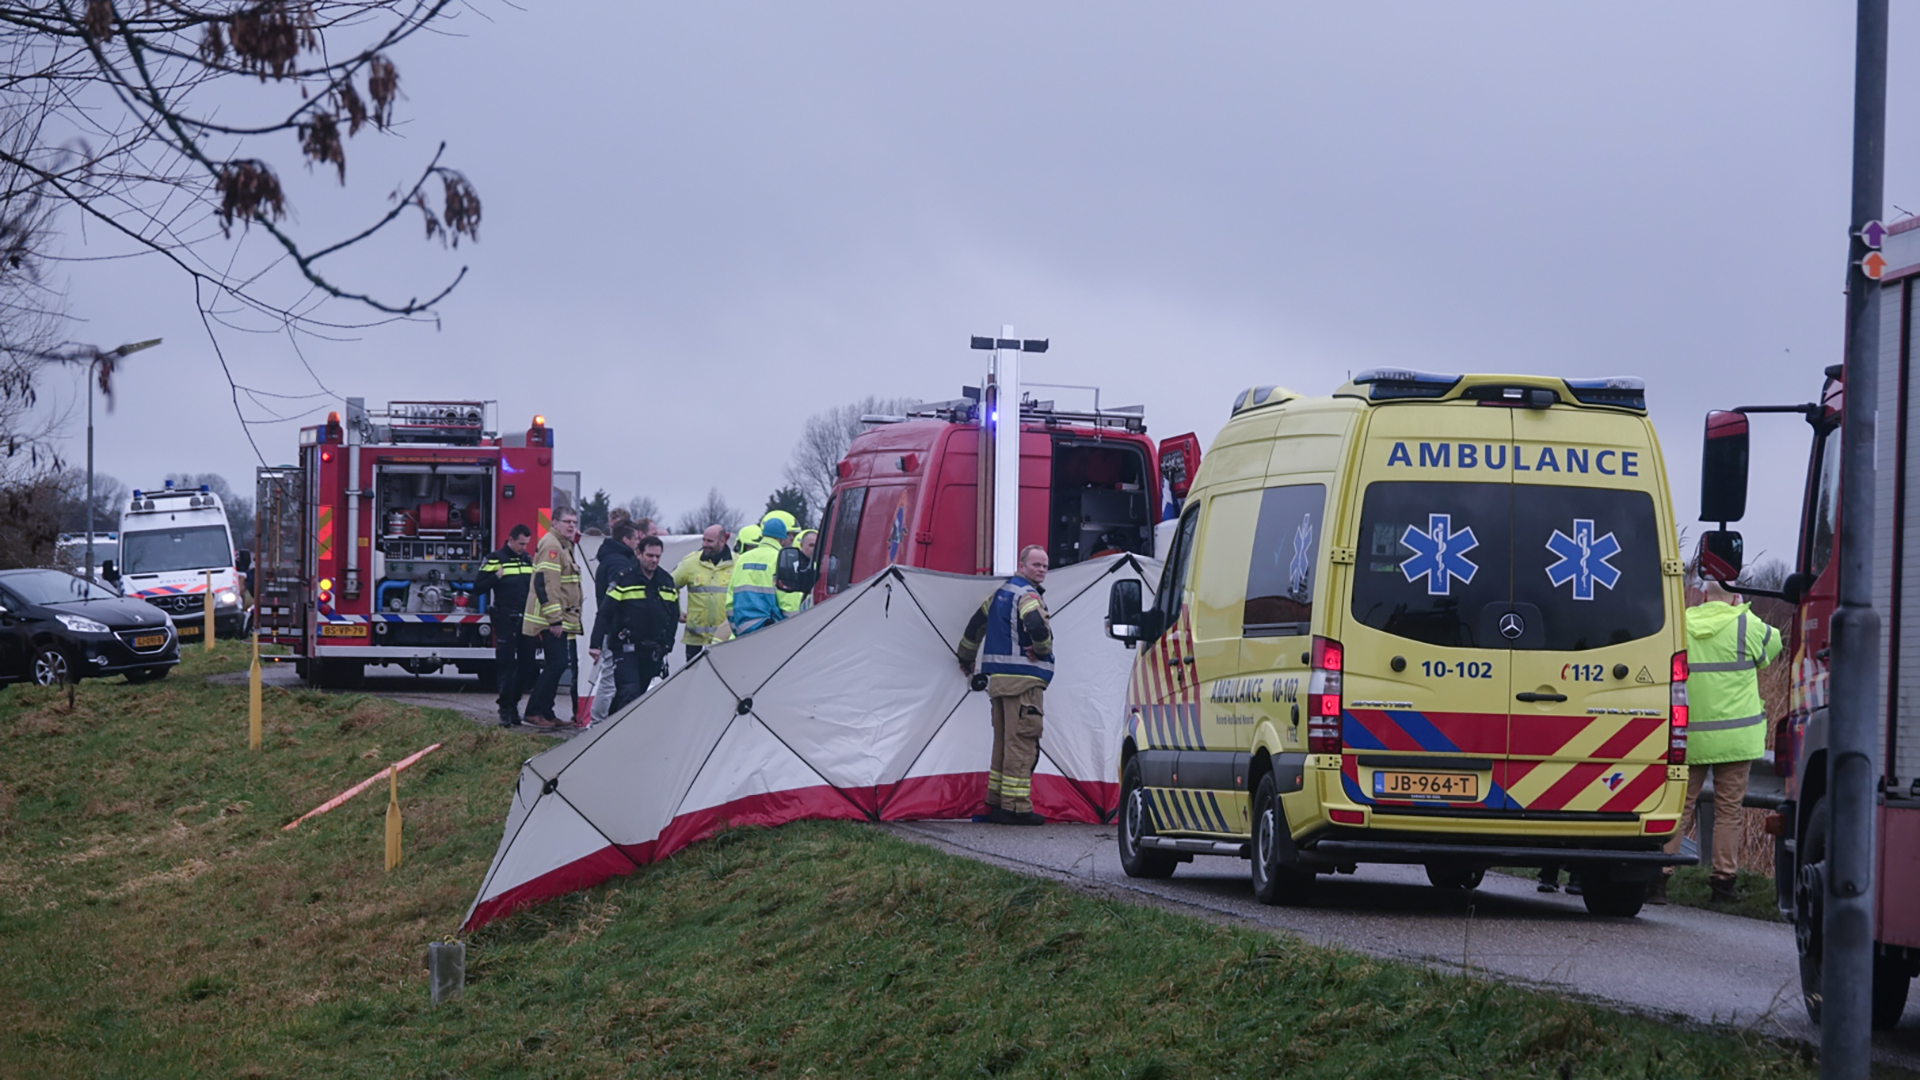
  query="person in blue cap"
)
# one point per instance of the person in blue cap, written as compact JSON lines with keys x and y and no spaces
{"x":753,"y":601}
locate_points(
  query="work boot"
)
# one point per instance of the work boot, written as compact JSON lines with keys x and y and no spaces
{"x":509,"y":716}
{"x":1721,"y":889}
{"x":544,"y":723}
{"x":1023,"y":817}
{"x":1657,"y":890}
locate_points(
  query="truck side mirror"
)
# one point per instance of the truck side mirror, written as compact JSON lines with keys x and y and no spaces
{"x":1794,"y":589}
{"x":243,"y":561}
{"x":1719,"y":555}
{"x":1123,"y":611}
{"x":108,"y":571}
{"x":1723,"y":469}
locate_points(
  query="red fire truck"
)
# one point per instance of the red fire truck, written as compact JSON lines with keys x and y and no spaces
{"x":911,"y":489}
{"x":1802,"y":826}
{"x":368,"y":548}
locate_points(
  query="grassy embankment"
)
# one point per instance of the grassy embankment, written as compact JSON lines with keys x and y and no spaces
{"x":156,"y":922}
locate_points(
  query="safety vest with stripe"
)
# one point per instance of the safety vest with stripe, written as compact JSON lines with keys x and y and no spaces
{"x":1010,"y":648}
{"x":752,"y":600}
{"x":705,"y":584}
{"x":1726,"y":647}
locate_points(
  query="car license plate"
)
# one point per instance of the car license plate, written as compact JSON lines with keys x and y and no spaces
{"x":342,"y":630}
{"x":149,"y":641}
{"x":191,"y":629}
{"x":1457,"y":787}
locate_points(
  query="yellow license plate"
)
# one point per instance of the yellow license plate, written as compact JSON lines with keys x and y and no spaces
{"x":191,"y":629}
{"x":149,"y":641}
{"x":1456,"y":787}
{"x":342,"y":630}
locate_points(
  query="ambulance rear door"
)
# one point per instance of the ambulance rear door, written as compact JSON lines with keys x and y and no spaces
{"x":1427,"y":679}
{"x":1592,"y":670}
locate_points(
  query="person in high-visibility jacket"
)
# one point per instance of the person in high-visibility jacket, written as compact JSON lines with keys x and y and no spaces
{"x":785,"y":579}
{"x":1727,"y":645}
{"x":1013,"y":640}
{"x":752,"y":600}
{"x":704,"y":576}
{"x":553,"y":613}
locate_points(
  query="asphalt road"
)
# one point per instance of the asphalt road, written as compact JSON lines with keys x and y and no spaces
{"x":1670,"y":963}
{"x":461,"y":693}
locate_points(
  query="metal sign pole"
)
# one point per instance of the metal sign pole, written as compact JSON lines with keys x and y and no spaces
{"x":1846,"y":991}
{"x":1006,"y":455}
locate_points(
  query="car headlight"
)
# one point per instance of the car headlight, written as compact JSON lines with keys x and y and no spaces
{"x":227,"y":598}
{"x":80,"y":624}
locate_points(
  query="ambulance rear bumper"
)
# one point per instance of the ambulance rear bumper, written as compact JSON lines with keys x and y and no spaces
{"x":1401,"y":851}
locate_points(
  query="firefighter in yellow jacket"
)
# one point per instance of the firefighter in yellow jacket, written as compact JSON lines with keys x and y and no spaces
{"x":1727,"y":645}
{"x":704,"y":575}
{"x":1013,"y":641}
{"x":553,"y":613}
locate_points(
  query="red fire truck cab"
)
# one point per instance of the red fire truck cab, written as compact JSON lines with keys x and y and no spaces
{"x":912,"y":490}
{"x":368,"y":549}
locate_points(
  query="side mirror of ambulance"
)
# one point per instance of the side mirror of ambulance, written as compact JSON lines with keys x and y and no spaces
{"x":1723,"y":469}
{"x":1123,"y":612}
{"x":1719,"y":555}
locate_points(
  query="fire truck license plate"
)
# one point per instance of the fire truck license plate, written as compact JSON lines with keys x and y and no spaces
{"x":1460,"y":787}
{"x":188,"y":629}
{"x":149,"y":641}
{"x":342,"y":630}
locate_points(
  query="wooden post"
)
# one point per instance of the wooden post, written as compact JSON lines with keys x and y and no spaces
{"x":253,"y":696}
{"x":206,"y":631}
{"x":393,"y":818}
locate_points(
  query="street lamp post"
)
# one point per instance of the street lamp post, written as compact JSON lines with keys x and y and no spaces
{"x":93,"y":366}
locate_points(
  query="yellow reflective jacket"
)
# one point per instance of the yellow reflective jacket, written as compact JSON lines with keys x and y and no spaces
{"x":555,"y":596}
{"x":1727,"y":644}
{"x":705,"y":584}
{"x":752,"y":600}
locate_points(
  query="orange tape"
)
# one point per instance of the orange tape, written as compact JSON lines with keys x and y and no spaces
{"x":359,"y":787}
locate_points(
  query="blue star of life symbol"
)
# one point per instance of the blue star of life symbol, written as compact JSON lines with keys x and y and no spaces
{"x":1583,"y":559}
{"x":1439,"y":554}
{"x":1300,"y":569}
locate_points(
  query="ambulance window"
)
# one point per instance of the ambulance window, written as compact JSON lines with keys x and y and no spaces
{"x":1588,"y":561}
{"x":1434,"y":560}
{"x":1825,"y":504}
{"x":846,"y":530}
{"x":1286,"y":549}
{"x":1179,"y":561}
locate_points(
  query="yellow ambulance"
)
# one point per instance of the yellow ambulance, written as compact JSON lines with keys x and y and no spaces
{"x":1431,"y":619}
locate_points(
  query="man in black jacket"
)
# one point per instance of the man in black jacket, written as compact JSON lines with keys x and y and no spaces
{"x":614,"y":561}
{"x":638,"y":622}
{"x":506,"y":574}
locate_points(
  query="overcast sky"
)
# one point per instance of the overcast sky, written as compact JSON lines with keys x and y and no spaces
{"x":704,"y":222}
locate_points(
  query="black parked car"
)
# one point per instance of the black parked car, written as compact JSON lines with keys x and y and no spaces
{"x":55,"y":626}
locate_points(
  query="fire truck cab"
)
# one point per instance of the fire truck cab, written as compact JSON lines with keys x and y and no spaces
{"x":911,"y":491}
{"x":368,"y":549}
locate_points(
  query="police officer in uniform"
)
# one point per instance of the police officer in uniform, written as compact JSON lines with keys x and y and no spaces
{"x":506,"y":575}
{"x":1013,"y":640}
{"x":617,"y":559}
{"x":642,"y":613}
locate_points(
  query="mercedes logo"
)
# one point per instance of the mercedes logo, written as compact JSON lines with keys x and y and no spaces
{"x":1512,"y":626}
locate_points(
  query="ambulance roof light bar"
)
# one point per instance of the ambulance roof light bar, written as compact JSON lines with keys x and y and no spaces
{"x":1619,"y":391}
{"x":1387,"y":384}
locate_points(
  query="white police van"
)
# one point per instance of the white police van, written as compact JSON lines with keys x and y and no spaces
{"x":169,"y":541}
